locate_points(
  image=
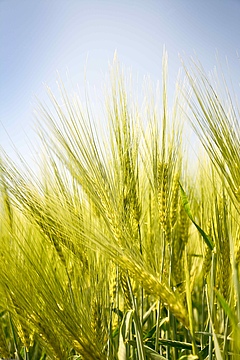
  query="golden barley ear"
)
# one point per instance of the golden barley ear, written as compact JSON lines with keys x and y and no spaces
{"x":237,"y":251}
{"x":125,"y":288}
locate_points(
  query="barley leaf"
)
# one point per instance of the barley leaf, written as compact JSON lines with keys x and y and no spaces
{"x":186,"y":206}
{"x":152,"y":354}
{"x":229,"y":312}
{"x":124,"y":332}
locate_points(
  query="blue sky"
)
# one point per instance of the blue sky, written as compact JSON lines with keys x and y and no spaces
{"x":38,"y":37}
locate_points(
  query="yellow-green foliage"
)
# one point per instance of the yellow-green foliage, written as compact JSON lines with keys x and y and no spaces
{"x":102,"y":256}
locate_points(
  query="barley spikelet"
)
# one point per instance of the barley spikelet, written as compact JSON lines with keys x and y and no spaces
{"x":207,"y":254}
{"x":125,"y":288}
{"x":22,"y":326}
{"x":59,"y":250}
{"x":237,"y":253}
{"x":225,"y":271}
{"x":183,"y":226}
{"x":49,"y":338}
{"x":174,"y":201}
{"x":97,"y":320}
{"x":158,"y":289}
{"x":48,"y":226}
{"x":112,"y":221}
{"x":178,"y":274}
{"x":131,"y":204}
{"x":7,"y":205}
{"x":177,"y":263}
{"x":24,"y":336}
{"x":206,"y":267}
{"x":112,"y":283}
{"x":179,"y":242}
{"x":31,"y":338}
{"x":237,"y":194}
{"x":162,"y":194}
{"x":87,"y":352}
{"x":168,"y":232}
{"x":177,"y":271}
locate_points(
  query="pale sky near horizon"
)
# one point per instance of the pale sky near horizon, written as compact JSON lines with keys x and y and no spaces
{"x":38,"y":37}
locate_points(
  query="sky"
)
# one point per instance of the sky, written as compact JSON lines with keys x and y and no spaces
{"x":40,"y":37}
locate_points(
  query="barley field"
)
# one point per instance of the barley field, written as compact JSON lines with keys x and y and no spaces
{"x":126,"y":243}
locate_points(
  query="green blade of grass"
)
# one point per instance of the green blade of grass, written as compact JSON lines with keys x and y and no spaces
{"x":125,"y":330}
{"x":216,"y":343}
{"x":232,"y":317}
{"x":186,"y":206}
